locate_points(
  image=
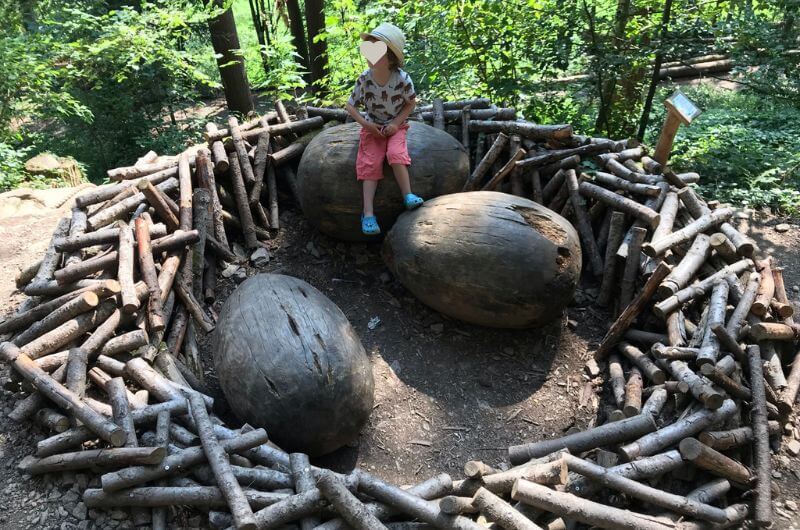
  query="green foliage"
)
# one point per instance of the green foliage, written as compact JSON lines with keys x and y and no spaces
{"x":745,"y":147}
{"x":12,"y":167}
{"x":104,"y":82}
{"x":102,"y":85}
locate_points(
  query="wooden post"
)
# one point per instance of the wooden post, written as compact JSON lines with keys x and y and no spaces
{"x":438,"y":114}
{"x":671,"y":434}
{"x":303,"y":482}
{"x":616,"y":232}
{"x":408,"y":503}
{"x":715,"y":462}
{"x":502,"y":513}
{"x":130,"y":302}
{"x":761,"y":451}
{"x":607,"y":434}
{"x":632,"y":311}
{"x":474,"y":180}
{"x":349,"y":507}
{"x":62,"y":396}
{"x":155,"y":308}
{"x":668,"y":132}
{"x":582,"y":510}
{"x":176,"y":463}
{"x":261,"y":159}
{"x":242,"y":204}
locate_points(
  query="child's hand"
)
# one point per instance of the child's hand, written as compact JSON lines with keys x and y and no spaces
{"x":373,"y":129}
{"x":390,"y":129}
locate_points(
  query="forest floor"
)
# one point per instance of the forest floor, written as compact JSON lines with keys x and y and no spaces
{"x":446,"y":392}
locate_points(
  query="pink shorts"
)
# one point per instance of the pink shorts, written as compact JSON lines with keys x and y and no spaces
{"x":373,"y":150}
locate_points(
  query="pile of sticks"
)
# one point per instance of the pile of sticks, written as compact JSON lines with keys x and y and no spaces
{"x":104,"y":352}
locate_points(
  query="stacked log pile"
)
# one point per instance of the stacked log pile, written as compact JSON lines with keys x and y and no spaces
{"x":104,"y":352}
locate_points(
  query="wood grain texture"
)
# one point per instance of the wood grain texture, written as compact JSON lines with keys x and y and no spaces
{"x":330,"y":195}
{"x":487,"y":258}
{"x":289,"y":360}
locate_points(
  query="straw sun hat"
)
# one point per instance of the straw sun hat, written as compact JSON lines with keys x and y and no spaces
{"x":392,"y":36}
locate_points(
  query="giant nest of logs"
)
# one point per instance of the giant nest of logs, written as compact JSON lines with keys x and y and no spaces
{"x":695,"y":357}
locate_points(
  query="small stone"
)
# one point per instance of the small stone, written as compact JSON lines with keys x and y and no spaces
{"x":79,"y":512}
{"x":230,"y":270}
{"x":385,"y":277}
{"x":793,"y":447}
{"x":796,"y":288}
{"x":776,"y":474}
{"x":592,"y":368}
{"x":69,"y":497}
{"x":437,"y":328}
{"x":395,"y":366}
{"x":791,"y":505}
{"x":118,"y":515}
{"x":783,"y":227}
{"x":572,"y":324}
{"x":240,"y":275}
{"x":313,"y":250}
{"x":260,"y":257}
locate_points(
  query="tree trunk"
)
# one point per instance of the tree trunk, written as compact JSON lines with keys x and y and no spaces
{"x":225,"y":40}
{"x":654,"y":78}
{"x":299,"y":36}
{"x":317,"y":57}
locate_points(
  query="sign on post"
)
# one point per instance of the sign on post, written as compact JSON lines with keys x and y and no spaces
{"x":680,"y":109}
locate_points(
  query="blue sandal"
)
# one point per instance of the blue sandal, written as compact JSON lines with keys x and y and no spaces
{"x":369,"y":225}
{"x":412,"y":201}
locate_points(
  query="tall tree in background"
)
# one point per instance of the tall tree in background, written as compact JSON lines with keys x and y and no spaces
{"x":261,"y":24}
{"x":225,"y":41}
{"x":654,"y":77}
{"x":317,"y":48}
{"x":299,"y":36}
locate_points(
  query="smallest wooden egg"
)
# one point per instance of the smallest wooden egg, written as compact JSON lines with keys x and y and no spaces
{"x":288,"y":360}
{"x":487,"y":258}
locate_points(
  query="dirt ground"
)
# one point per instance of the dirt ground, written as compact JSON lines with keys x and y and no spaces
{"x":446,"y":392}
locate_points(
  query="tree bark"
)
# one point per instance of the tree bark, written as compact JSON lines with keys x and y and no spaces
{"x":499,"y":511}
{"x":575,"y":508}
{"x":349,"y":507}
{"x":607,"y":434}
{"x":690,"y":425}
{"x":299,"y":36}
{"x":317,"y":48}
{"x":225,"y":40}
{"x":61,"y":396}
{"x":218,"y":460}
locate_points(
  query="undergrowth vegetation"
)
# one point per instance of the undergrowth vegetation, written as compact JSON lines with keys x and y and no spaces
{"x":104,"y":81}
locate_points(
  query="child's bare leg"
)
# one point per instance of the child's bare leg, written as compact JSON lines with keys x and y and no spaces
{"x":369,"y":195}
{"x":403,"y":180}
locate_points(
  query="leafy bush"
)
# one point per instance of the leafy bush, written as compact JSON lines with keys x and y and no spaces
{"x":745,"y":147}
{"x":102,"y":85}
{"x":12,"y":167}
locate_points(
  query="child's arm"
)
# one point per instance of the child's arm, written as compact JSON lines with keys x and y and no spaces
{"x":369,"y":126}
{"x":401,"y":117}
{"x":405,"y":112}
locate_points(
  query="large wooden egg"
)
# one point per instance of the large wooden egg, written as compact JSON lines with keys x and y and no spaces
{"x":288,"y":360}
{"x":331,"y":197}
{"x":487,"y":258}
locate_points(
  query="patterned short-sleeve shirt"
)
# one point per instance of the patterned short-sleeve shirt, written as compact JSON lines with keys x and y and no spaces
{"x":382,"y":102}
